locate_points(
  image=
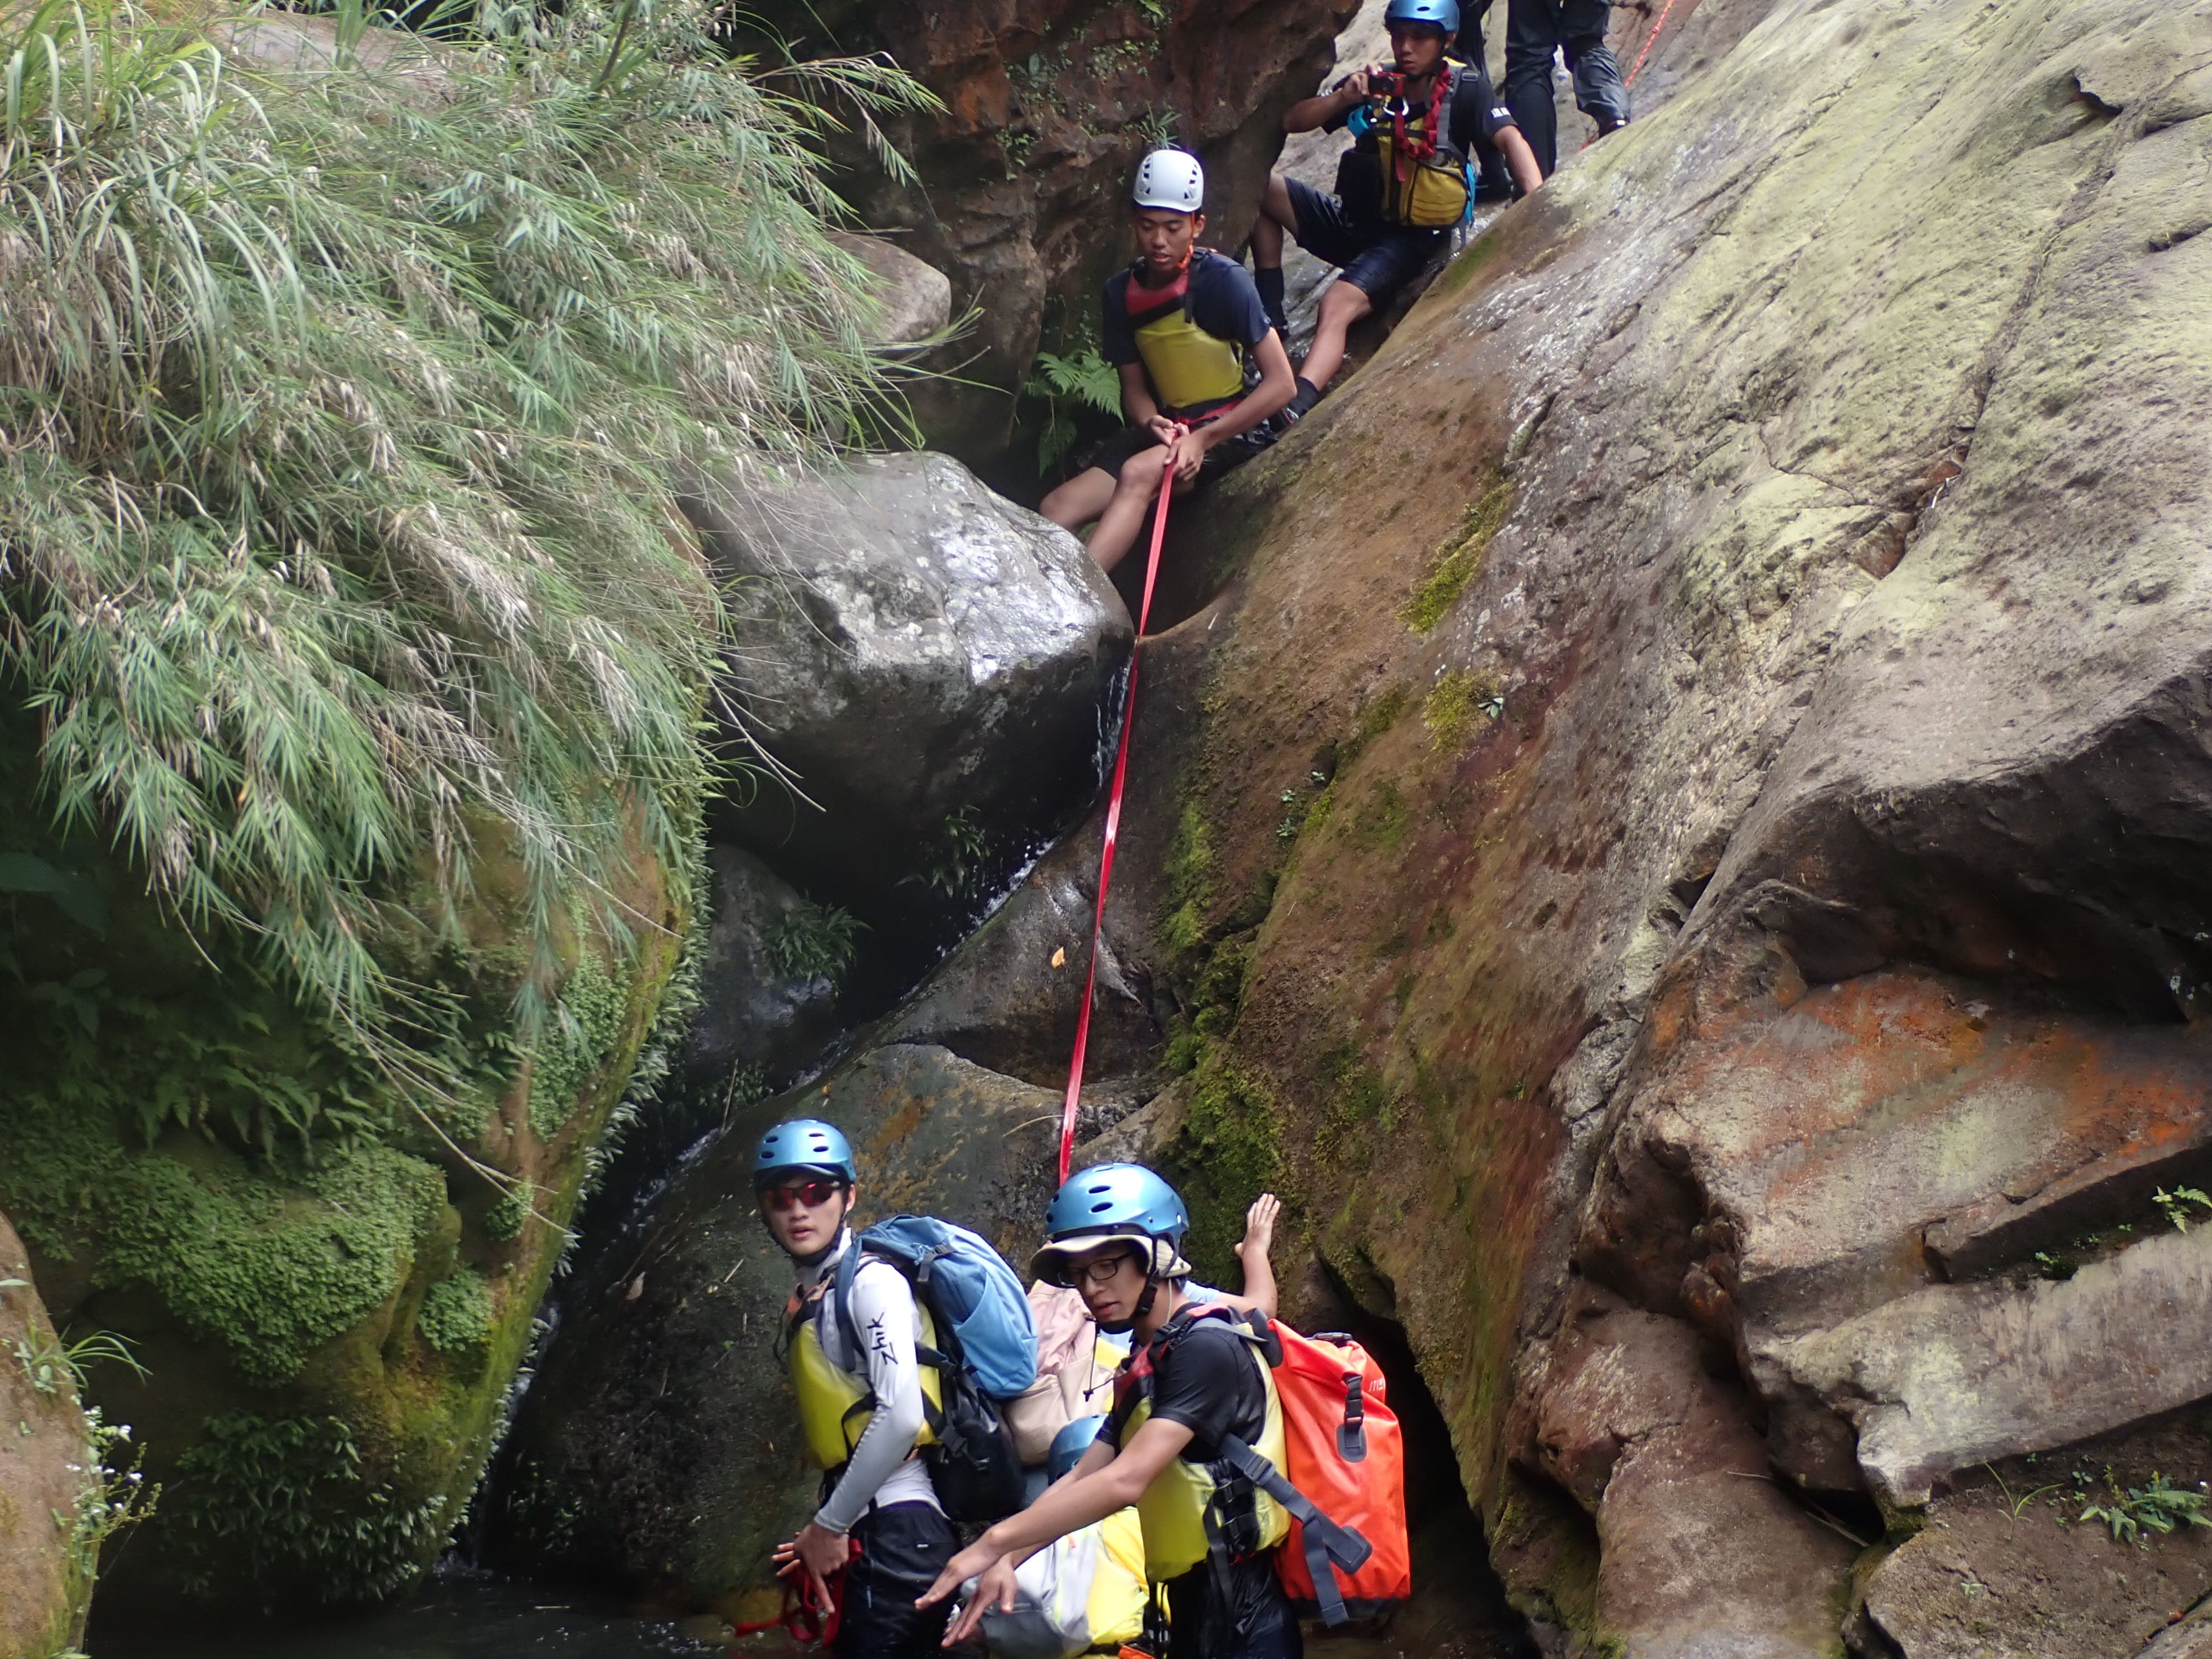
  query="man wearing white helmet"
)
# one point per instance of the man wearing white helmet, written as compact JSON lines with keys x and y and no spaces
{"x":1201,"y":368}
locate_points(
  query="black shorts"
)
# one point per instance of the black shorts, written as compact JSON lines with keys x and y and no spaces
{"x":1244,"y":1615}
{"x":1377,"y":259}
{"x":903,"y":1547}
{"x":1111,"y":454}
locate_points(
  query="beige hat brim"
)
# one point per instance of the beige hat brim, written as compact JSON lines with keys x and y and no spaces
{"x":1051,"y":1263}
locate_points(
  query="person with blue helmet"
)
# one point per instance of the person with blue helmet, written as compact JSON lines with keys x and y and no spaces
{"x":1202,"y":370}
{"x":1196,"y":1384}
{"x":1410,"y":176}
{"x":864,"y":1405}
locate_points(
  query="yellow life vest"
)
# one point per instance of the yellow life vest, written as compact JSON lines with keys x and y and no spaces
{"x":1174,"y":1507}
{"x":1425,"y":183}
{"x":1116,"y":1608}
{"x":834,"y":1406}
{"x":1187,"y":366}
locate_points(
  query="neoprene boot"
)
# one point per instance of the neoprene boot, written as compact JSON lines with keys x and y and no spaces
{"x":1291,"y":413}
{"x":1268,"y":279}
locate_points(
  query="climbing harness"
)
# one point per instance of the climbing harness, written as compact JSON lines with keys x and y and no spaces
{"x":1114,"y":817}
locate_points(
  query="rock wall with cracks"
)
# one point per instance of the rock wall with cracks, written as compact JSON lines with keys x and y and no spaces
{"x":1680,"y":839}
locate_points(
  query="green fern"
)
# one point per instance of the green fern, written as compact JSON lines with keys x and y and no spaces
{"x":1081,"y":379}
{"x":2158,"y":1507}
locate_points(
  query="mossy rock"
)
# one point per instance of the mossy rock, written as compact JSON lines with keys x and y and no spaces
{"x":329,"y":1296}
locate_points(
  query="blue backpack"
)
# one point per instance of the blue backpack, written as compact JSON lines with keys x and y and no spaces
{"x":983,"y":1317}
{"x":990,"y":1347}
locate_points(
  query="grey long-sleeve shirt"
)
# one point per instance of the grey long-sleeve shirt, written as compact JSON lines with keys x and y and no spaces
{"x":883,"y":1468}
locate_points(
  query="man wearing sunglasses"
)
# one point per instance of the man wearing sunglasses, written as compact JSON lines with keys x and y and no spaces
{"x":863,"y":1401}
{"x":1116,"y":1237}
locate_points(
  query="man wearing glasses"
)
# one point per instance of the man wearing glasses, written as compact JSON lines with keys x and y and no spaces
{"x":1116,"y":1237}
{"x":863,"y":1401}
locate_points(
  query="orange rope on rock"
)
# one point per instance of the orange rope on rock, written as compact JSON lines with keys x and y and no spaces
{"x":1648,"y":41}
{"x":1114,"y":819}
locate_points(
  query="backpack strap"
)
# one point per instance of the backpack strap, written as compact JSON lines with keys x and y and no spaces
{"x":841,"y":1300}
{"x":1324,"y":1540}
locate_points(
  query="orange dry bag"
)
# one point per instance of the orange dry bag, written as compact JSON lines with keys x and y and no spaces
{"x":1344,"y":1484}
{"x":1347,"y":1456}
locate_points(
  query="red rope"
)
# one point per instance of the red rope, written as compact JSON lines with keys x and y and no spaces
{"x":803,"y":1619}
{"x":1648,"y":40}
{"x":1114,"y":819}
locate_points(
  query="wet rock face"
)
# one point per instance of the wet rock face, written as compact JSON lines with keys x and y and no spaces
{"x":659,"y":1447}
{"x":44,"y":1581}
{"x":754,"y":1015}
{"x":932,"y":663}
{"x":1683,"y":838}
{"x":1009,"y":996}
{"x":1048,"y":105}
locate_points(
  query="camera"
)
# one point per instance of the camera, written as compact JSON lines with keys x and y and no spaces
{"x":1385,"y":85}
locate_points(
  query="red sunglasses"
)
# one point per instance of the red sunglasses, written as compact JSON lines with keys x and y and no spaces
{"x":812,"y":1195}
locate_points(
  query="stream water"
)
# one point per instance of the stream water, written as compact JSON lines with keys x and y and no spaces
{"x":481,"y":1618}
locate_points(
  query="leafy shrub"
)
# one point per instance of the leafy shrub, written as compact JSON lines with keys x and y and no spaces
{"x":2158,"y":1506}
{"x":814,"y":941}
{"x":336,"y":547}
{"x":457,"y":1313}
{"x":285,"y":1496}
{"x":1081,"y":380}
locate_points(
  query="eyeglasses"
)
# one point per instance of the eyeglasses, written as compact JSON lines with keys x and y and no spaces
{"x":1101,"y":1270}
{"x":809,"y":1195}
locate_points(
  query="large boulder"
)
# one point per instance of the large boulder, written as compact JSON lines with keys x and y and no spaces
{"x":916,"y":299}
{"x":49,"y":1480}
{"x":1046,"y":104}
{"x":930,"y":661}
{"x":1679,"y":837}
{"x":1007,"y":998}
{"x":328,"y":1292}
{"x":659,"y":1448}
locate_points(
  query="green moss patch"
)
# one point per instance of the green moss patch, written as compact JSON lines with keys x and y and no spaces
{"x":457,"y":1314}
{"x":1232,"y":1141}
{"x":286,"y":1499}
{"x":1191,"y":868}
{"x":1449,"y":709}
{"x":1458,"y":559}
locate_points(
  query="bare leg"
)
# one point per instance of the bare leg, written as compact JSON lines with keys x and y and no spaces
{"x":1080,"y":500}
{"x":1124,"y":517}
{"x":1340,"y":308}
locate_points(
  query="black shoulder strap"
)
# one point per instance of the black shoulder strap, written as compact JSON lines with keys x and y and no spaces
{"x":1325,"y":1541}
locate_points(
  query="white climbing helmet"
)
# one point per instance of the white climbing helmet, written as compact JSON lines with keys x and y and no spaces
{"x":1170,"y":179}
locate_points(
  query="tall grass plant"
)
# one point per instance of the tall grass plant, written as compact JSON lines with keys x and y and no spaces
{"x":340,"y":409}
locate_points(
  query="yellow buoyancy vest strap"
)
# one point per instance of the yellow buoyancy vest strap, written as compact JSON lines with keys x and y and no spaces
{"x":834,"y":1406}
{"x":1187,"y":366}
{"x":1116,"y":1607}
{"x":1173,"y":1508}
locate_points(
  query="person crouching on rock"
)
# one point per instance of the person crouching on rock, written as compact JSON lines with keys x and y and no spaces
{"x":1404,"y":184}
{"x":862,"y":1403}
{"x":1201,"y":368}
{"x":1195,"y":1384}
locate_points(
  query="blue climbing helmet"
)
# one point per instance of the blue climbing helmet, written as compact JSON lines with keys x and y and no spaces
{"x":1111,"y":1201}
{"x":1442,"y":14}
{"x":803,"y":1143}
{"x":1069,"y":1443}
